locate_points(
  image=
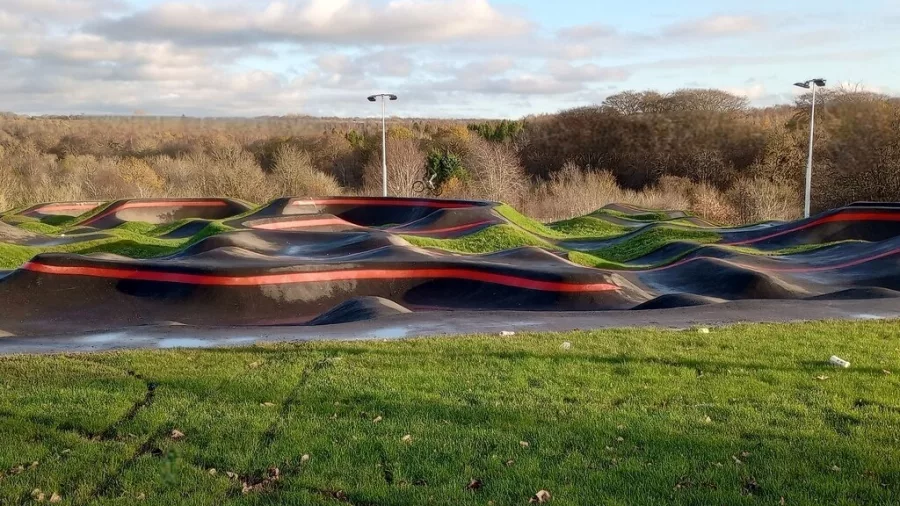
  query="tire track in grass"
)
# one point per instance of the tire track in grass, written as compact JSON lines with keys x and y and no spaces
{"x":104,"y":487}
{"x":111,"y":432}
{"x":268,"y":437}
{"x":66,"y":428}
{"x":106,"y":435}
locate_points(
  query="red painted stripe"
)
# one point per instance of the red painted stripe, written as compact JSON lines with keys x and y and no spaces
{"x":63,"y":207}
{"x":844,"y":265}
{"x":840,"y":217}
{"x":324,"y":222}
{"x":142,"y":205}
{"x":439,"y":204}
{"x":322,"y":276}
{"x":457,"y":228}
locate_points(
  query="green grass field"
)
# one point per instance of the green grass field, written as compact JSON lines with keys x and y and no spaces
{"x":749,"y":414}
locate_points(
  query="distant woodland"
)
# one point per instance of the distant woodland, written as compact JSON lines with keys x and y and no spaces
{"x":706,"y":151}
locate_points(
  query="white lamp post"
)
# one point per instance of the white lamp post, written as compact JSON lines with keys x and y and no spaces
{"x":384,"y":98}
{"x":814,"y":84}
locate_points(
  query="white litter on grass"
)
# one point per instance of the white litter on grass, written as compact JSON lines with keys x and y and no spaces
{"x":839,"y":362}
{"x":703,"y":330}
{"x":507,"y":333}
{"x":566,"y":345}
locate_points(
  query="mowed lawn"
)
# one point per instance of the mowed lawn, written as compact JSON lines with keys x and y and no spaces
{"x":743,"y":415}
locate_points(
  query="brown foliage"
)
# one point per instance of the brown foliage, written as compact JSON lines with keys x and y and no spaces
{"x":574,"y":192}
{"x":702,"y":150}
{"x":760,"y":199}
{"x":294,"y":175}
{"x":495,"y":172}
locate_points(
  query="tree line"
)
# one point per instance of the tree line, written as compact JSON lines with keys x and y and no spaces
{"x":702,"y":149}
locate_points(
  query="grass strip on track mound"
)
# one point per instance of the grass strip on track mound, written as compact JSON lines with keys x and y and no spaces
{"x":750,"y":414}
{"x":126,"y":240}
{"x":528,"y":224}
{"x":587,"y":226}
{"x":648,"y":216}
{"x":648,"y":241}
{"x":490,"y":240}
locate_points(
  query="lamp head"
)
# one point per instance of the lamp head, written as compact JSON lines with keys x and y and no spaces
{"x":806,"y":84}
{"x":382,"y":95}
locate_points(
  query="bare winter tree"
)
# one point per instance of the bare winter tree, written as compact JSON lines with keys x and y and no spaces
{"x":294,"y":175}
{"x":405,"y":164}
{"x":496,"y":171}
{"x":704,"y":100}
{"x":633,"y":102}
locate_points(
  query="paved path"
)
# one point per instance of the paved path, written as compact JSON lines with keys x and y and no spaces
{"x":430,"y":324}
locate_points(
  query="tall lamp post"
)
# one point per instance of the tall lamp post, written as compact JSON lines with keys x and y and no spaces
{"x":384,"y":98}
{"x":814,"y":84}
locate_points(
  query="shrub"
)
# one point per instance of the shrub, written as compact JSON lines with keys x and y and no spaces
{"x":446,"y":165}
{"x":573,"y":192}
{"x":181,"y":178}
{"x":341,"y":158}
{"x":293,"y":175}
{"x":137,"y":173}
{"x":761,"y":199}
{"x":708,"y":202}
{"x":230,"y":171}
{"x":498,"y":131}
{"x":496,"y":173}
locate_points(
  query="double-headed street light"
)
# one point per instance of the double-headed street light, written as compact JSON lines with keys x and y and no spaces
{"x":814,"y":84}
{"x":384,"y":98}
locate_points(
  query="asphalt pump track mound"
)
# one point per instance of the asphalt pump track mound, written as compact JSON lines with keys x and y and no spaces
{"x":339,"y":260}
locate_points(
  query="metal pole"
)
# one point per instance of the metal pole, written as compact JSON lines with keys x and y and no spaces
{"x":383,"y":149}
{"x":812,"y":130}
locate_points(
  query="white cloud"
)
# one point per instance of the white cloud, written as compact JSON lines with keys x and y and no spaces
{"x":347,"y":22}
{"x":590,"y":32}
{"x":586,"y":73}
{"x":753,"y":91}
{"x":450,"y":57}
{"x":715,"y":26}
{"x":61,"y":10}
{"x":8,"y":22}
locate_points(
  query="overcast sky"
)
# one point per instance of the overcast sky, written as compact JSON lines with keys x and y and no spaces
{"x":445,"y":58}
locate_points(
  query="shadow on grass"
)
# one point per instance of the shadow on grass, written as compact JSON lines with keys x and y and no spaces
{"x":610,"y":360}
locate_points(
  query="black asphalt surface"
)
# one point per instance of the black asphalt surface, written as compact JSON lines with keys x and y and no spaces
{"x":442,"y":324}
{"x":317,"y":264}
